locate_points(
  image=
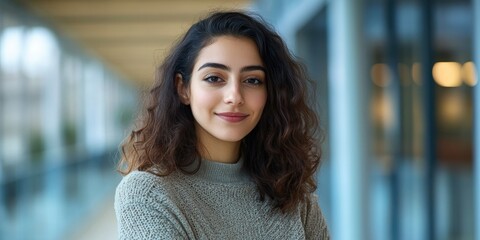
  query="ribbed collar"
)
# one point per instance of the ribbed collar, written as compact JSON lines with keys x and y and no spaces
{"x":222,"y":172}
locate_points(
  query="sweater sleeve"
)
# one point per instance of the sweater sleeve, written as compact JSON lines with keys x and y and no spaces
{"x":142,"y":214}
{"x":314,"y":222}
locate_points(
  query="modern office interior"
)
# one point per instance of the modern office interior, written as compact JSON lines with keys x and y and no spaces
{"x":397,"y":94}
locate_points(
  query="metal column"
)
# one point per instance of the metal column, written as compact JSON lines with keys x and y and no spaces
{"x":348,"y":108}
{"x":396,"y":133}
{"x":476,"y":105}
{"x":428,"y":90}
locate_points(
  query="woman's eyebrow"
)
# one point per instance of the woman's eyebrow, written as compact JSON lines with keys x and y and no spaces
{"x":227,"y":68}
{"x":253,"y":68}
{"x":214,"y":65}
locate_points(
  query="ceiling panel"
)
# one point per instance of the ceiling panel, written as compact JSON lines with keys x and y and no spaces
{"x":131,"y":37}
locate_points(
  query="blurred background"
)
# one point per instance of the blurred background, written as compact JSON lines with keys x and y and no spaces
{"x":397,"y":92}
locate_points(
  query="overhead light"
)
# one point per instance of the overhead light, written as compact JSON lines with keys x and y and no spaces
{"x":469,"y":73}
{"x":380,"y":74}
{"x":447,"y":74}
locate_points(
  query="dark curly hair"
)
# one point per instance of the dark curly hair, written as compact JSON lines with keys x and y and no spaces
{"x":281,"y":153}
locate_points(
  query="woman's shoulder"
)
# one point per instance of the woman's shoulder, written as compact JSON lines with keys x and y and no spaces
{"x":138,"y":180}
{"x":138,"y":185}
{"x":309,"y":204}
{"x":313,"y":218}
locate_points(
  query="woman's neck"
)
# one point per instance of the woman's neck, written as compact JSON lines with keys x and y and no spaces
{"x":225,"y":153}
{"x":217,"y":150}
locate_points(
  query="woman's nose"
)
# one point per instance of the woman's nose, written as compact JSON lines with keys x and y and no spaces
{"x":233,"y":93}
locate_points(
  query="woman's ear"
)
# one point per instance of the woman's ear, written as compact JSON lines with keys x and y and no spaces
{"x":182,"y":90}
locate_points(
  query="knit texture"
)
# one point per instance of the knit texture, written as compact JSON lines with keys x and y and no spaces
{"x":218,"y":202}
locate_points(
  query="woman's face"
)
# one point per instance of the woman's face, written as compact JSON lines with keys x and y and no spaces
{"x":227,"y":91}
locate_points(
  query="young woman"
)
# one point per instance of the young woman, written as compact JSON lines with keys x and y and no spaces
{"x":226,"y":147}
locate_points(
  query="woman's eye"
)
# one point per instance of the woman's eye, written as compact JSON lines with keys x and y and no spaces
{"x":254,"y":81}
{"x":213,"y":79}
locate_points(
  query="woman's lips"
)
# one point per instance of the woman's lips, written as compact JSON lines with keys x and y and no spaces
{"x":232,"y":116}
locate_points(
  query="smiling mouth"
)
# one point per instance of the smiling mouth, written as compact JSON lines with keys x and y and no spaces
{"x":232,"y":116}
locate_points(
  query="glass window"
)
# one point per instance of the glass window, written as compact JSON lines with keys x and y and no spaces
{"x":398,"y":118}
{"x":12,"y":92}
{"x":54,"y":101}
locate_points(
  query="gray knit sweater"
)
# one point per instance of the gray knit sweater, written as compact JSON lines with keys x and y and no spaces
{"x":218,"y":202}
